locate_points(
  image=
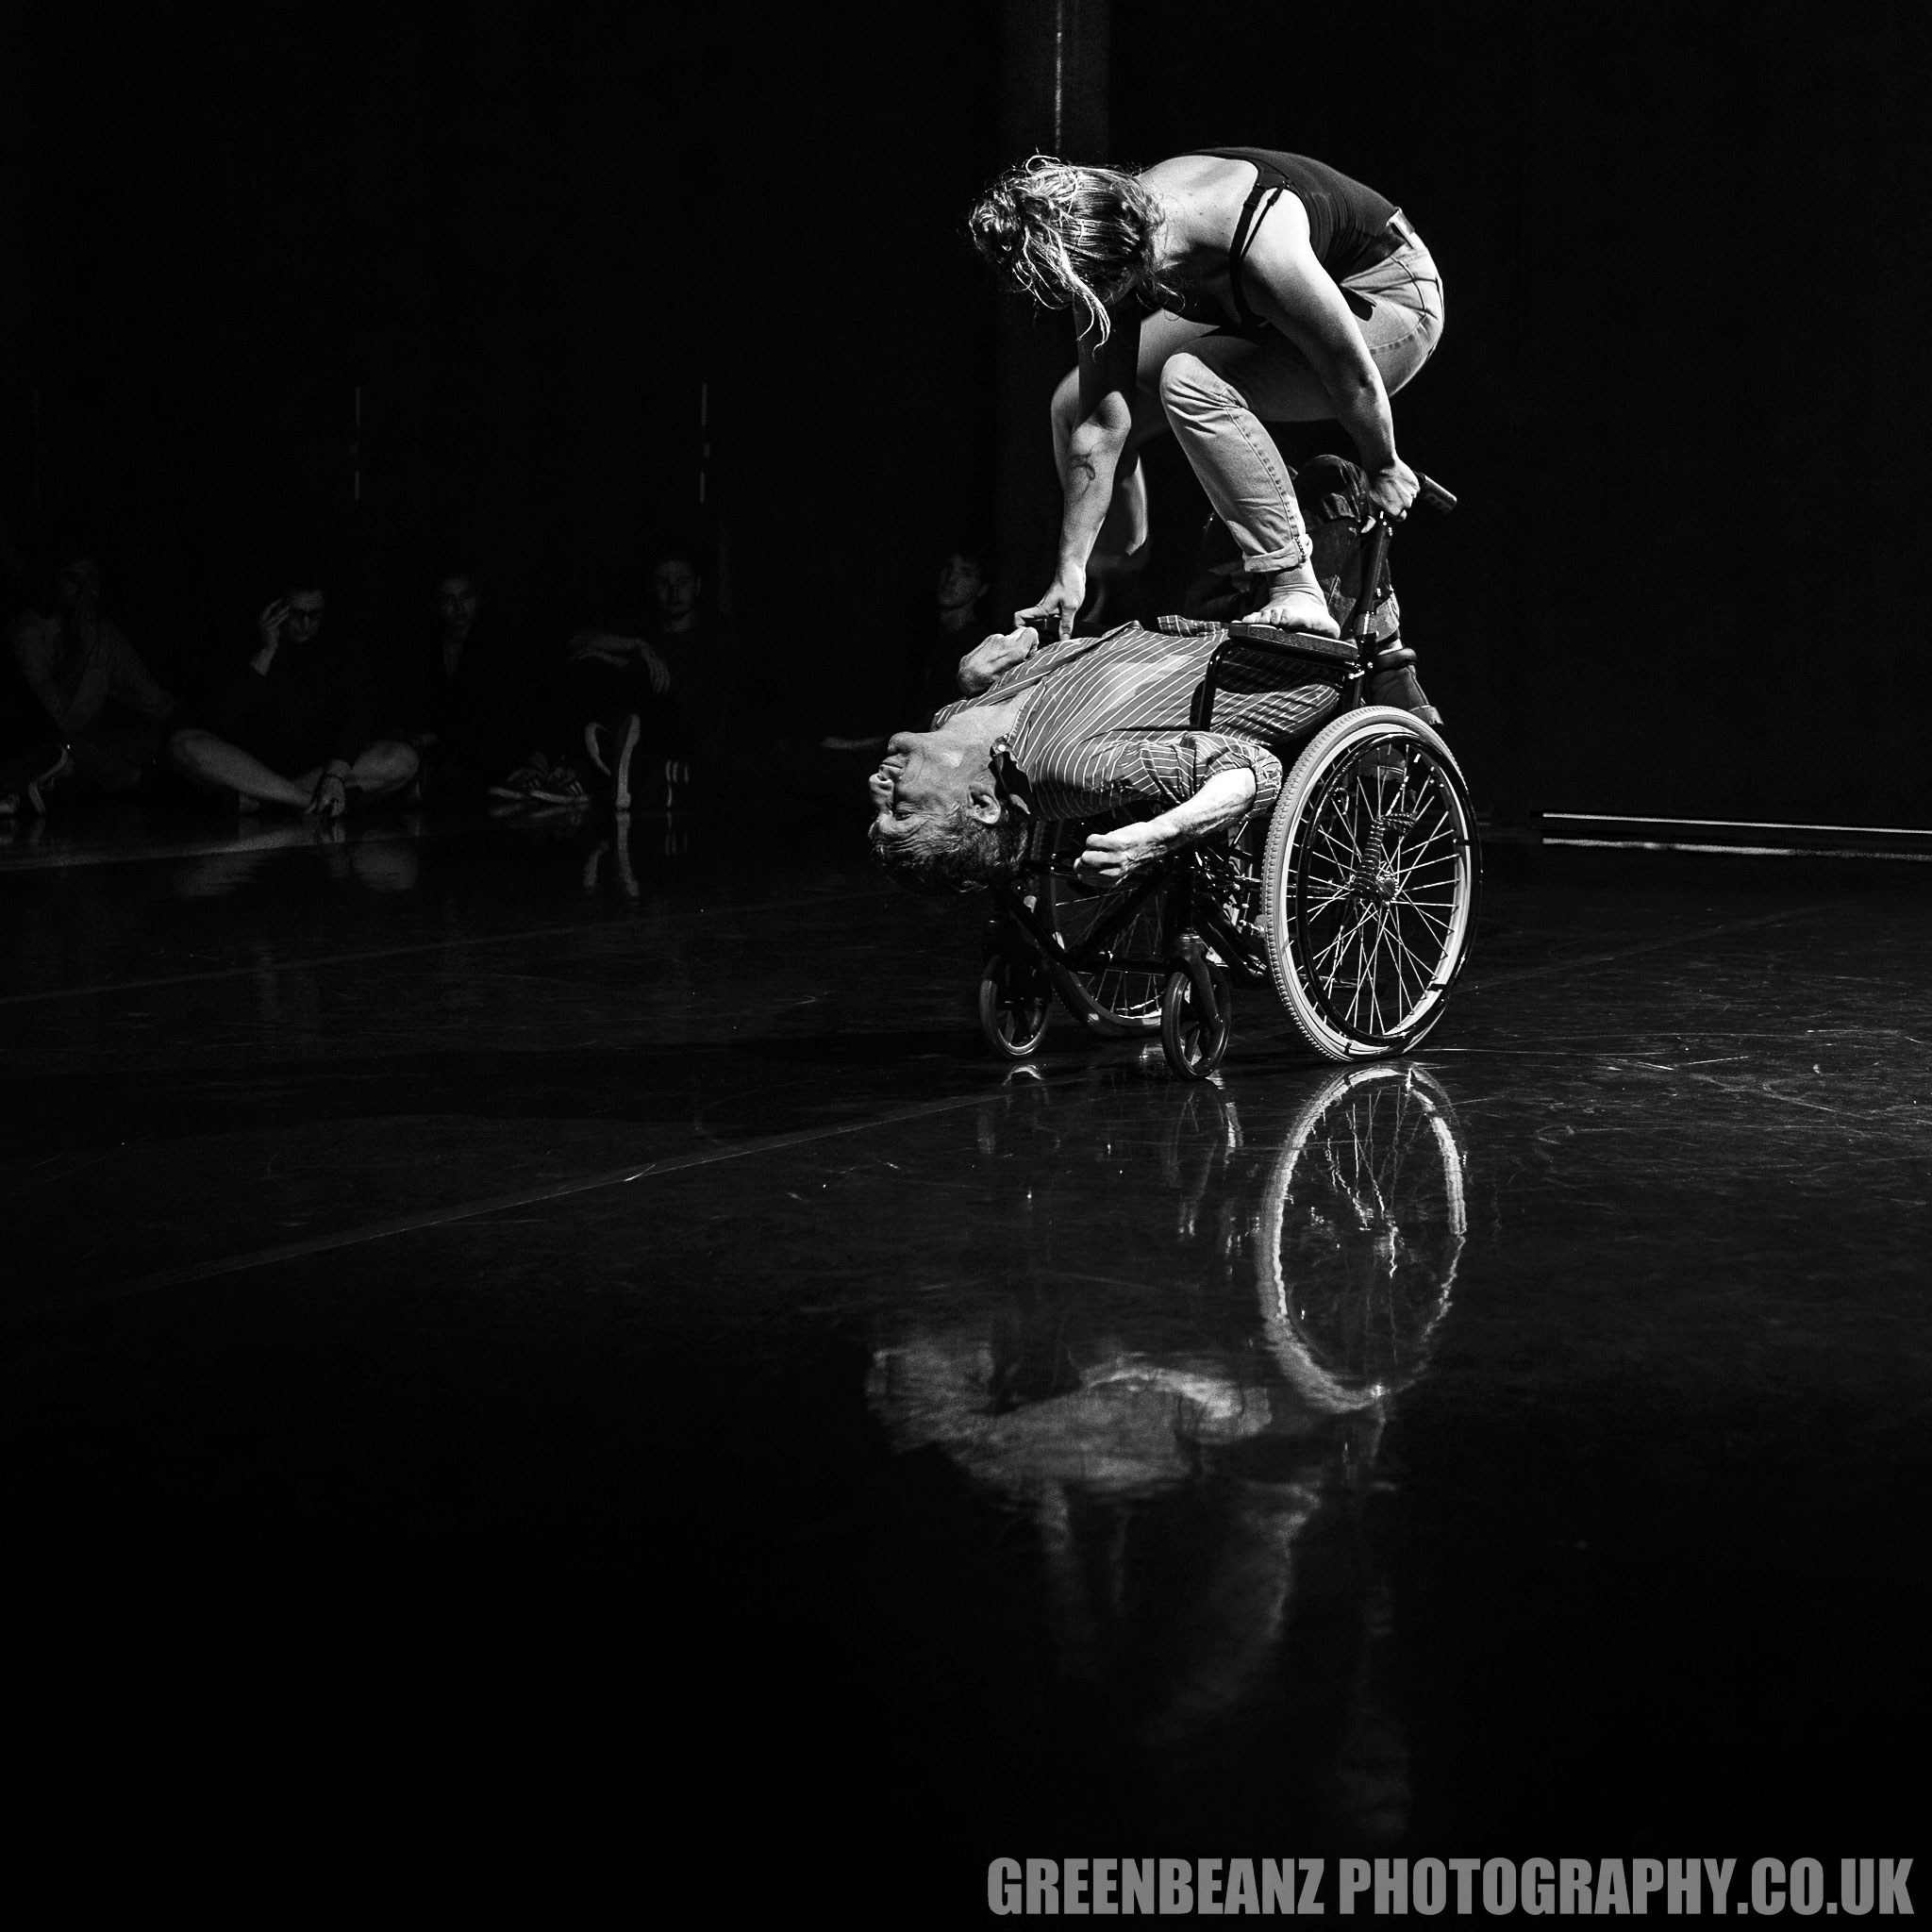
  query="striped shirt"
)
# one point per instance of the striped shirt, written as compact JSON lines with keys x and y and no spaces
{"x":1106,"y":729}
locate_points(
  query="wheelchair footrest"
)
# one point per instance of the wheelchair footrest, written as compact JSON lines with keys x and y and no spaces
{"x":1296,"y":643}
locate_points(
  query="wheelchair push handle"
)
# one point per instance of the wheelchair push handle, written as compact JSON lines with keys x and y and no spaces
{"x":1429,"y":494}
{"x":1375,"y":553}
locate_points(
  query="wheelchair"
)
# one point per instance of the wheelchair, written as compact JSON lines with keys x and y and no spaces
{"x":1355,"y":900}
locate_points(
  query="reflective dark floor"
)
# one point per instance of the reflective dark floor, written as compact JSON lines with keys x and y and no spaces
{"x":567,"y":1320}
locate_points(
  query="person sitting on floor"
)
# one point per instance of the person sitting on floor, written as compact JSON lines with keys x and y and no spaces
{"x":79,"y":704}
{"x":291,"y":727}
{"x":659,"y":682}
{"x":454,"y":689}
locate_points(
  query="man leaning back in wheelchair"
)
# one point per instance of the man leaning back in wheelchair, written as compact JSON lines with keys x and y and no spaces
{"x":1098,"y":727}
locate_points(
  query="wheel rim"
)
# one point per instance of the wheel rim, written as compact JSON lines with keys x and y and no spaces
{"x":1382,"y":874}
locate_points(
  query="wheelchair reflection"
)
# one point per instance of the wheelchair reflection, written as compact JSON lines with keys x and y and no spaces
{"x":1204,"y":1462}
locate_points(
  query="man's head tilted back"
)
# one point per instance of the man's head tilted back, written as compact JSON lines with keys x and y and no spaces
{"x":939,"y":824}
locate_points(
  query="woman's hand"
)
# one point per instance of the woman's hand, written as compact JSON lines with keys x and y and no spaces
{"x":991,"y":659}
{"x":1063,"y":599}
{"x":1392,"y":489}
{"x":1111,"y":858}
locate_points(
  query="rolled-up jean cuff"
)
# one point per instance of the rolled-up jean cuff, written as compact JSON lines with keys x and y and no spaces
{"x":1289,"y":557}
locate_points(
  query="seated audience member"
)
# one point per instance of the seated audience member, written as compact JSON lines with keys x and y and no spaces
{"x":455,"y":692}
{"x":646,"y":697}
{"x":78,"y":704}
{"x":292,"y":726}
{"x":698,"y":651}
{"x":932,"y":667}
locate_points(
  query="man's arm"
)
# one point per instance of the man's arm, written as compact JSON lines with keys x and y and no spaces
{"x":1111,"y":856}
{"x":1300,"y":297}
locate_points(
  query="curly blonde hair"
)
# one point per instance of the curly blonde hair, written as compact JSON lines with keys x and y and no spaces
{"x":1070,"y":236}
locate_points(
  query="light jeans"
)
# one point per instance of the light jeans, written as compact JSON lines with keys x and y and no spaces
{"x":1214,"y":388}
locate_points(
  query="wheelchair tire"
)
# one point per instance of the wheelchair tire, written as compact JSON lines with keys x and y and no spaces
{"x":1122,"y":1001}
{"x":1195,"y":1043}
{"x":1014,"y":1004}
{"x":1370,"y":885}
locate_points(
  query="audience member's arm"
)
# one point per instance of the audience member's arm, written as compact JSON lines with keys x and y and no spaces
{"x":235,"y":696}
{"x":615,"y":649}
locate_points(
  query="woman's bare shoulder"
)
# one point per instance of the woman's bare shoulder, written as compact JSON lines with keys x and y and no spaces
{"x":1207,"y":190}
{"x":1201,"y":175}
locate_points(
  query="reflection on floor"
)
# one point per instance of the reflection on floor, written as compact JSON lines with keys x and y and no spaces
{"x":555,"y":1300}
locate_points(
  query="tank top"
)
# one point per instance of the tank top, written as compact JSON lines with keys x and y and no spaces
{"x":1348,"y":223}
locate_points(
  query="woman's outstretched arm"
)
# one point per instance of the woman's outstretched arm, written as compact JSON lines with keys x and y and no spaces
{"x":1089,"y":454}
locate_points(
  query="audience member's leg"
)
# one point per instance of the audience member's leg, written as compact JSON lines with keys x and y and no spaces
{"x":386,"y":768}
{"x":215,"y":765}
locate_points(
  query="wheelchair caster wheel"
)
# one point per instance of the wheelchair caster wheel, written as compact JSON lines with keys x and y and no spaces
{"x":1195,"y":1042}
{"x":1014,"y":1002}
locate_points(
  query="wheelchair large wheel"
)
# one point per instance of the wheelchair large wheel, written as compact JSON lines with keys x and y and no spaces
{"x":1126,"y":926}
{"x":1369,"y":888}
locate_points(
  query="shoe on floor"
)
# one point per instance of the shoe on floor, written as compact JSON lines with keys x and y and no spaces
{"x":42,"y":782}
{"x":521,"y":786}
{"x":611,"y":752}
{"x":560,"y":786}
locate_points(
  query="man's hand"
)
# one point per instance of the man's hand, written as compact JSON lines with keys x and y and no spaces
{"x":1111,"y":858}
{"x":1392,"y":489}
{"x":1063,"y":599}
{"x":269,"y":625}
{"x":992,"y":658}
{"x":331,"y":798}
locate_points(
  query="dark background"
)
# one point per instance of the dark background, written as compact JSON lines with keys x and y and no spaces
{"x":1679,"y":390}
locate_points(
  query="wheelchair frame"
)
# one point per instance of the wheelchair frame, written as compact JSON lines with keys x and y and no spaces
{"x":1207,"y":906}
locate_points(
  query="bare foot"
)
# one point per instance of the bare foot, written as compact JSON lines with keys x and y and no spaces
{"x":1297,"y":610}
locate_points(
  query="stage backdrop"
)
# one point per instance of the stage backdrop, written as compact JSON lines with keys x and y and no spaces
{"x":1682,"y":390}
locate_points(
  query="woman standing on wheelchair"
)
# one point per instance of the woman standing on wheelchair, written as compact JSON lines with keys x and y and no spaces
{"x":1216,"y":292}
